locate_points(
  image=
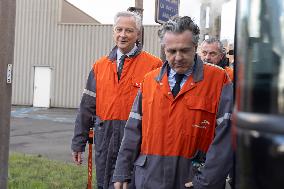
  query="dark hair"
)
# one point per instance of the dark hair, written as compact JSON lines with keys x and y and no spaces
{"x":179,"y":25}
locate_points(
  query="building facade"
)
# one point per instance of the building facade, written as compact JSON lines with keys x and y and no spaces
{"x":53,"y":56}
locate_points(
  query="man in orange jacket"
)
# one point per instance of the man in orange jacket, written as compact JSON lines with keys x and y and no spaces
{"x":109,"y":94}
{"x":212,"y":51}
{"x":179,"y":119}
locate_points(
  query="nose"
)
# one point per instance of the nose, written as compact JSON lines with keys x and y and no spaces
{"x":207,"y":58}
{"x":123,"y":33}
{"x":178,"y":55}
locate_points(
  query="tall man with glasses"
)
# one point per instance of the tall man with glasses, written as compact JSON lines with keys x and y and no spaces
{"x":109,"y":94}
{"x":212,"y":51}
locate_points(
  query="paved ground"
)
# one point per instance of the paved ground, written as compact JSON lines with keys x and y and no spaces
{"x":42,"y":131}
{"x":45,"y":132}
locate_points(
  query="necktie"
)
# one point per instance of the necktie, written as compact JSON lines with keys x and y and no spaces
{"x":120,"y":66}
{"x":176,"y":87}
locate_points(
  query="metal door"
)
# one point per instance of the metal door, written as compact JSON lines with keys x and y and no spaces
{"x":42,"y":80}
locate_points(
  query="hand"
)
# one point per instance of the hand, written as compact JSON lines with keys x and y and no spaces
{"x":77,"y":157}
{"x":120,"y":185}
{"x":188,"y":185}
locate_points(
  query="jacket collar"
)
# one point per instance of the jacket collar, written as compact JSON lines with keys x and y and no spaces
{"x":197,"y":70}
{"x":113,"y":53}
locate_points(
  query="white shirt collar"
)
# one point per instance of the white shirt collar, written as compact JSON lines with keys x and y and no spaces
{"x":119,"y":53}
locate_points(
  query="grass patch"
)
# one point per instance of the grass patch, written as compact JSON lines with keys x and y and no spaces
{"x":33,"y":172}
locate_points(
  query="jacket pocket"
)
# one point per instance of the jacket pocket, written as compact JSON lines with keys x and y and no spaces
{"x":202,"y":114}
{"x":202,"y":122}
{"x":200,"y":103}
{"x":140,"y":165}
{"x":99,"y":134}
{"x":141,"y":161}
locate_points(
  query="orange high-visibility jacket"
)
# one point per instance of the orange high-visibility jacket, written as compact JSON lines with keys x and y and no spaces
{"x":114,"y":98}
{"x":166,"y":132}
{"x":191,"y":115}
{"x":107,"y":102}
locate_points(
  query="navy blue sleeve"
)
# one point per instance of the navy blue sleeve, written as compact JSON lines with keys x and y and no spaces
{"x":219,"y":158}
{"x":131,"y":143}
{"x":85,"y":116}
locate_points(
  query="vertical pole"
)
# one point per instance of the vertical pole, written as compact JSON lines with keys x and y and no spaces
{"x":162,"y":50}
{"x":7,"y":33}
{"x":139,"y":4}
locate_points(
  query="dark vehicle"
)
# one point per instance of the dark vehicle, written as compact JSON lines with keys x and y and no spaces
{"x":259,"y":112}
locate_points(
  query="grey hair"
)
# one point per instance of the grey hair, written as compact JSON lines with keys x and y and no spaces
{"x":217,"y":41}
{"x":137,"y":18}
{"x":179,"y":25}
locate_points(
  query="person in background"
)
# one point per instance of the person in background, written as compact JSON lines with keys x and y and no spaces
{"x":229,"y":49}
{"x":230,"y":54}
{"x":109,"y":94}
{"x":178,"y":132}
{"x":212,"y":51}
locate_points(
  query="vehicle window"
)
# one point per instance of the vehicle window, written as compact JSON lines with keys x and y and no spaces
{"x":261,"y":57}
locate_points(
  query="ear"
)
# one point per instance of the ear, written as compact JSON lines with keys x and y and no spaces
{"x":113,"y":32}
{"x":163,"y":47}
{"x":139,"y":33}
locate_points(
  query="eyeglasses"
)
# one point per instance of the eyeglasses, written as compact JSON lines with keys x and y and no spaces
{"x":230,"y":52}
{"x":126,"y":30}
{"x":212,"y":53}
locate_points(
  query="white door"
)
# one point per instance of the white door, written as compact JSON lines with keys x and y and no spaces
{"x":42,"y":80}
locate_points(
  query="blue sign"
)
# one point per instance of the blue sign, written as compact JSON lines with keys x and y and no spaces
{"x":165,"y":9}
